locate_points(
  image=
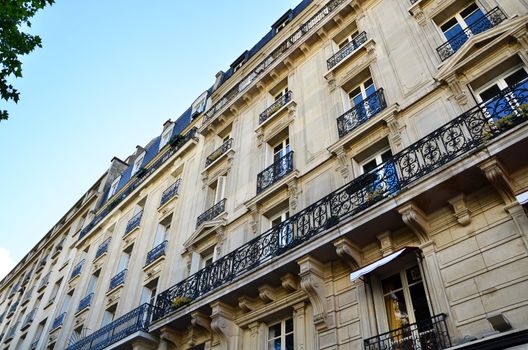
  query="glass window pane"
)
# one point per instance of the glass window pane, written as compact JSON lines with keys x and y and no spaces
{"x":289,"y":342}
{"x":274,"y":331}
{"x":419,"y":301}
{"x":391,"y":283}
{"x":289,"y":325}
{"x":490,"y":93}
{"x":386,"y":155}
{"x":369,"y":166}
{"x":516,"y":77}
{"x":396,"y":310}
{"x":413,"y":275}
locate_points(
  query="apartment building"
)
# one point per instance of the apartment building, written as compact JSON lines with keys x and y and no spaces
{"x":356,"y":180}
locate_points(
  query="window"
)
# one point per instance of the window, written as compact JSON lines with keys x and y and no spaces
{"x":218,"y":189}
{"x":109,"y":315}
{"x":281,"y":149}
{"x":376,"y":160}
{"x":198,"y":106}
{"x":161,"y":232}
{"x":124,"y":259}
{"x":66,"y":302}
{"x":113,"y":187}
{"x":165,"y":136}
{"x":500,"y":107}
{"x":285,"y":232}
{"x":342,"y":43}
{"x":138,"y":162}
{"x":460,"y":22}
{"x":207,"y":257}
{"x":55,"y":290}
{"x":282,"y":22}
{"x":280,"y":335}
{"x":40,"y":330}
{"x":359,"y":94}
{"x":148,"y":295}
{"x":92,"y":283}
{"x":282,"y":92}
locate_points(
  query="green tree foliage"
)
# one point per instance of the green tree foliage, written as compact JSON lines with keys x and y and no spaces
{"x":14,"y":43}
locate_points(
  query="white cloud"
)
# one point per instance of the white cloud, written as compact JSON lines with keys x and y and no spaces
{"x":6,"y":262}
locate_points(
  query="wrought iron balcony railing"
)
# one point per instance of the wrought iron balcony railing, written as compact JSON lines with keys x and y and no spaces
{"x":274,"y":108}
{"x":226,"y":146}
{"x":174,"y":148}
{"x":118,"y":279}
{"x":428,"y":334}
{"x":346,"y":50}
{"x":273,"y":57}
{"x":58,"y":321}
{"x":85,"y":302}
{"x":462,"y":135}
{"x":133,"y":222}
{"x":488,"y":21}
{"x":156,"y":253}
{"x":276,"y":171}
{"x":77,"y":269}
{"x":211,"y":213}
{"x":126,"y":325}
{"x":170,"y":192}
{"x":361,"y":113}
{"x":103,"y":248}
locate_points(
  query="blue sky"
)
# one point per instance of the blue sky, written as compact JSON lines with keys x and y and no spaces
{"x":109,"y":74}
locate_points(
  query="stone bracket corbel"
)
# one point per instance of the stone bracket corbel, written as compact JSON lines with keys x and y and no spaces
{"x":290,"y":282}
{"x":455,"y":85}
{"x":416,"y":220}
{"x":344,"y":163}
{"x":267,"y":293}
{"x":385,"y":241}
{"x":312,"y":282}
{"x":348,"y":252}
{"x":223,"y":325}
{"x":293,"y":193}
{"x":461,"y":211}
{"x":498,"y":177}
{"x":246,"y":303}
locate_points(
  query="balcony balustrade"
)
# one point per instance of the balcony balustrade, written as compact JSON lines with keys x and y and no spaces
{"x":126,"y":325}
{"x":156,"y":253}
{"x":275,"y":172}
{"x":361,"y":113}
{"x":175,"y":147}
{"x":85,"y":302}
{"x":462,"y":135}
{"x":226,"y":146}
{"x":274,"y":108}
{"x":103,"y":248}
{"x":133,"y":222}
{"x":211,"y":213}
{"x":431,"y":334}
{"x":118,"y":280}
{"x":58,"y":321}
{"x":77,"y":269}
{"x":326,"y":11}
{"x":488,"y":21}
{"x":346,"y":50}
{"x":170,"y":192}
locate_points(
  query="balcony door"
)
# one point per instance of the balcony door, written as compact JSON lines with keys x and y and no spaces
{"x":384,"y":179}
{"x":280,"y":150}
{"x":508,"y":101}
{"x":361,"y":101}
{"x":284,"y":232}
{"x":463,"y":21}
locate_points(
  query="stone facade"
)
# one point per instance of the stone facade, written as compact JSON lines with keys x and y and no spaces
{"x":356,"y":133}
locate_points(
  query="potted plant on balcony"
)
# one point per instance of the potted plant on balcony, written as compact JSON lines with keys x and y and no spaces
{"x":176,"y":139}
{"x":180,"y":301}
{"x":505,"y":122}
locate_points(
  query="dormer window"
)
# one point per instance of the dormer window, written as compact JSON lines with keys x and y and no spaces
{"x":113,"y":187}
{"x":239,"y":62}
{"x":282,"y":22}
{"x":198,"y":106}
{"x":138,"y":162}
{"x":165,"y":136}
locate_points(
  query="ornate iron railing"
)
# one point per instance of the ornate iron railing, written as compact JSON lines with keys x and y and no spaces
{"x":126,"y":325}
{"x":431,"y":334}
{"x":211,"y":213}
{"x":176,"y":145}
{"x":77,"y":269}
{"x":460,"y":136}
{"x":30,"y":317}
{"x":85,"y":302}
{"x":58,"y":321}
{"x":346,"y":50}
{"x":133,"y":222}
{"x":488,"y":21}
{"x":273,"y":57}
{"x":170,"y":192}
{"x":276,"y":171}
{"x":157,"y":252}
{"x":118,"y":279}
{"x":361,"y":113}
{"x":103,"y":248}
{"x":271,"y":110}
{"x":226,"y":146}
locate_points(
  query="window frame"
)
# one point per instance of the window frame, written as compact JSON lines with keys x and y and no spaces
{"x":138,"y":162}
{"x":165,"y":136}
{"x":283,"y":333}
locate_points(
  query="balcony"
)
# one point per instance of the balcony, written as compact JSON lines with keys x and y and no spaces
{"x":133,"y":223}
{"x":117,"y":280}
{"x":28,"y":295}
{"x":428,"y":334}
{"x":361,"y":113}
{"x":488,"y":21}
{"x":275,"y":107}
{"x":58,"y":248}
{"x":103,"y":248}
{"x":12,"y":309}
{"x":41,"y":264}
{"x":275,"y":172}
{"x":135,"y":321}
{"x":211,"y":213}
{"x":170,"y":192}
{"x":175,"y":146}
{"x":156,"y":253}
{"x":85,"y":302}
{"x":346,"y":50}
{"x":463,"y":135}
{"x":58,"y":321}
{"x":77,"y":270}
{"x":219,"y":152}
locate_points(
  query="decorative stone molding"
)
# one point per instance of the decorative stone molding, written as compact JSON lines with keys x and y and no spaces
{"x":267,"y":293}
{"x":385,"y":241}
{"x":455,"y":85}
{"x":293,"y":192}
{"x":395,"y":131}
{"x":498,"y":177}
{"x":416,"y":220}
{"x":246,"y":303}
{"x":418,"y":14}
{"x":223,"y":325}
{"x":343,"y":162}
{"x":200,"y":319}
{"x":348,"y":252}
{"x":461,"y":210}
{"x":312,"y":282}
{"x":168,"y":336}
{"x":290,"y":282}
{"x":255,"y":219}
